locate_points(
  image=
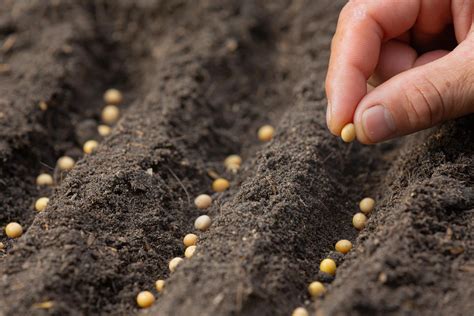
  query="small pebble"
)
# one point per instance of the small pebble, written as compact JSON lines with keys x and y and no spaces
{"x":300,"y":311}
{"x":41,"y":204}
{"x":110,"y":114}
{"x":359,"y":220}
{"x":343,"y":246}
{"x":366,"y":205}
{"x":145,"y":299}
{"x":348,"y":133}
{"x":13,"y":230}
{"x":202,"y":223}
{"x":203,"y":201}
{"x":220,"y":185}
{"x":44,"y":179}
{"x":65,"y":163}
{"x":316,"y":289}
{"x":189,"y":252}
{"x":265,"y":133}
{"x":160,"y":285}
{"x":174,"y":263}
{"x":104,"y":130}
{"x":190,"y":240}
{"x":90,"y":146}
{"x":113,"y":96}
{"x":328,"y":266}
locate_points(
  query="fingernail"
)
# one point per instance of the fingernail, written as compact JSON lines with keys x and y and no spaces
{"x":378,"y":123}
{"x":328,"y":114}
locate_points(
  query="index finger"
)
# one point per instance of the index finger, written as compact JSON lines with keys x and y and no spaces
{"x":355,"y":49}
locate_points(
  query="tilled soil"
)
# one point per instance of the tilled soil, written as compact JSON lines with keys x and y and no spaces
{"x":199,"y":78}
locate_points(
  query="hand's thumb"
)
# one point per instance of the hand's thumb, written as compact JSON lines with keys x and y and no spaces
{"x":419,"y":98}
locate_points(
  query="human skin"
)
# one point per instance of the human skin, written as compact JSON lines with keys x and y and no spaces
{"x":417,"y":55}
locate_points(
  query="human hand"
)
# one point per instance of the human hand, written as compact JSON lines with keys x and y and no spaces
{"x":419,"y":55}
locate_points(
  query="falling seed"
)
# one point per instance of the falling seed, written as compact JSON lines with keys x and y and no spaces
{"x":366,"y":205}
{"x":300,"y":311}
{"x":43,"y":106}
{"x":189,"y":252}
{"x":343,"y":246}
{"x":202,"y":222}
{"x":13,"y":230}
{"x":203,"y":201}
{"x":348,"y":133}
{"x":174,"y":263}
{"x":190,"y":240}
{"x":145,"y":299}
{"x":328,"y":266}
{"x":316,"y":289}
{"x":44,"y":179}
{"x":220,"y":185}
{"x":359,"y":220}
{"x":113,"y":96}
{"x":232,"y":160}
{"x":41,"y":204}
{"x":160,"y":285}
{"x":90,"y":146}
{"x":65,"y":163}
{"x":104,"y":130}
{"x":110,"y":114}
{"x":265,"y":133}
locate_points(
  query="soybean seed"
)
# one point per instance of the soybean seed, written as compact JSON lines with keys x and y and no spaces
{"x":44,"y":179}
{"x":145,"y":299}
{"x":343,"y":246}
{"x":90,"y":146}
{"x":348,"y":133}
{"x":2,"y":245}
{"x":43,"y":106}
{"x":13,"y":230}
{"x":316,"y":289}
{"x":232,"y":160}
{"x":66,"y":163}
{"x":203,"y":201}
{"x":202,"y":222}
{"x":110,"y":114}
{"x":160,"y":285}
{"x":113,"y":96}
{"x":300,"y":311}
{"x":265,"y":133}
{"x":104,"y":130}
{"x":41,"y":204}
{"x":366,"y":205}
{"x":190,"y":240}
{"x":174,"y":263}
{"x":220,"y":185}
{"x":189,"y":252}
{"x":328,"y":266}
{"x":359,"y":220}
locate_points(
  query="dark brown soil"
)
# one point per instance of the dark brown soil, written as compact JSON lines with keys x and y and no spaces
{"x":191,"y":98}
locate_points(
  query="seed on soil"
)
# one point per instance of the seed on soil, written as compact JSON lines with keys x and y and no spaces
{"x":104,"y":130}
{"x":43,"y":106}
{"x":90,"y":146}
{"x":366,"y":205}
{"x":174,"y":263}
{"x":145,"y":299}
{"x":220,"y":185}
{"x":265,"y":133}
{"x":41,"y":204}
{"x":343,"y":246}
{"x":110,"y":114}
{"x":348,"y":133}
{"x":202,"y":222}
{"x":300,"y":311}
{"x":232,"y":160}
{"x":113,"y":96}
{"x":316,"y":289}
{"x":160,"y":285}
{"x":190,"y":240}
{"x":2,"y":245}
{"x":66,"y":163}
{"x":13,"y":230}
{"x":44,"y":179}
{"x":359,"y":220}
{"x":328,"y":266}
{"x":203,"y":201}
{"x":189,"y":252}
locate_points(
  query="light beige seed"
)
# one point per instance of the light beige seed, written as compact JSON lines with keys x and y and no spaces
{"x":44,"y":179}
{"x":220,"y":185}
{"x":189,"y":252}
{"x":90,"y":146}
{"x":13,"y":230}
{"x":343,"y":246}
{"x":113,"y":96}
{"x":104,"y":130}
{"x":145,"y":299}
{"x":2,"y":245}
{"x":359,"y":220}
{"x":43,"y":106}
{"x":66,"y":163}
{"x":110,"y":114}
{"x":203,"y":201}
{"x":233,"y":160}
{"x":265,"y":133}
{"x":366,"y":205}
{"x":41,"y":204}
{"x":328,"y":266}
{"x":160,"y":285}
{"x":202,"y":223}
{"x":348,"y":133}
{"x":316,"y":289}
{"x":234,"y":168}
{"x":300,"y":311}
{"x":190,"y":240}
{"x":174,"y":263}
